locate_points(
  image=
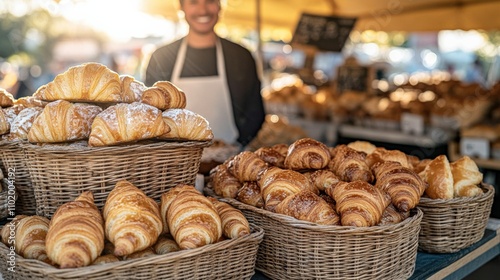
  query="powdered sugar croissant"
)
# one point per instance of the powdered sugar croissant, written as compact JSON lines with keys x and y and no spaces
{"x":62,"y":121}
{"x":122,"y":123}
{"x":82,"y":83}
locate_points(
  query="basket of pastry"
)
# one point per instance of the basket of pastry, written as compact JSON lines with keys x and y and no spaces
{"x":16,"y":117}
{"x":456,"y":205}
{"x":90,"y":135}
{"x":327,"y":212}
{"x":185,"y":236}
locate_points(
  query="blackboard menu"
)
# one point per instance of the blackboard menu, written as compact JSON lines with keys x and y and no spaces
{"x":353,"y":78}
{"x":327,"y":33}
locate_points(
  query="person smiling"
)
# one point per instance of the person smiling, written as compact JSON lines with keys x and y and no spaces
{"x":218,"y":76}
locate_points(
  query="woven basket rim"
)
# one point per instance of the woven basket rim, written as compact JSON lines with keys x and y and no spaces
{"x":124,"y":147}
{"x":460,"y":201}
{"x":416,"y":214}
{"x":256,"y":235}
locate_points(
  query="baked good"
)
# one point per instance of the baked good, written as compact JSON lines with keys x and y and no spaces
{"x":307,"y":153}
{"x":322,"y":178}
{"x":124,"y":123}
{"x":271,"y":156}
{"x":186,"y":125}
{"x":76,"y":235}
{"x":63,"y":121}
{"x":403,"y":185}
{"x":4,"y":123}
{"x":359,"y":203}
{"x":234,"y":223}
{"x":193,"y":220}
{"x":30,"y":238}
{"x":466,"y":177}
{"x":246,"y":166}
{"x":282,"y":184}
{"x":165,"y":244}
{"x":148,"y":252}
{"x":164,"y":95}
{"x":132,"y":89}
{"x":132,"y":219}
{"x":223,"y":182}
{"x":87,"y":82}
{"x":249,"y":193}
{"x":6,"y":98}
{"x":362,"y":146}
{"x":381,"y":154}
{"x":23,"y":123}
{"x":168,"y":197}
{"x":109,"y":258}
{"x":439,"y":178}
{"x":30,"y":101}
{"x":350,"y":165}
{"x":11,"y":226}
{"x":392,"y":216}
{"x":308,"y":206}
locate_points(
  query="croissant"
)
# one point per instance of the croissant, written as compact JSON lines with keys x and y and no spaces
{"x":234,"y":224}
{"x":6,"y":98}
{"x":266,"y":174}
{"x":132,"y":89}
{"x":403,"y":185}
{"x":165,"y":244}
{"x":246,"y":166}
{"x":392,"y":216}
{"x":307,"y":206}
{"x":186,"y":125}
{"x":169,"y":196}
{"x":62,"y":121}
{"x":193,"y":220}
{"x":362,"y":146}
{"x":282,"y":184}
{"x":350,"y":165}
{"x":148,"y":252}
{"x":223,"y":182}
{"x":420,"y":166}
{"x":439,"y":178}
{"x":12,"y":112}
{"x":164,"y":95}
{"x":359,"y":203}
{"x":250,"y":194}
{"x":76,"y":235}
{"x":109,"y":258}
{"x":382,"y":154}
{"x":307,"y":153}
{"x":271,"y":156}
{"x":23,"y":122}
{"x":83,"y":83}
{"x":9,"y":228}
{"x":30,"y":101}
{"x":132,"y":219}
{"x":30,"y":237}
{"x":4,"y":123}
{"x":466,"y":177}
{"x":322,"y":178}
{"x":123,"y":123}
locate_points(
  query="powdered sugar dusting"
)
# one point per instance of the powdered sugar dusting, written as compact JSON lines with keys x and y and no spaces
{"x":24,"y":121}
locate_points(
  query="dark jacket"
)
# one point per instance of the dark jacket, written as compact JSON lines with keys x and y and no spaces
{"x":243,"y":83}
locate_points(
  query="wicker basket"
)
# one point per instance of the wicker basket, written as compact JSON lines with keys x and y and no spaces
{"x":449,"y":225}
{"x":229,"y":259}
{"x":13,"y":159}
{"x":60,"y":173}
{"x":294,"y":249}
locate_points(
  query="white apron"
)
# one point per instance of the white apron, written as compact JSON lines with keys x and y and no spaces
{"x":208,"y":96}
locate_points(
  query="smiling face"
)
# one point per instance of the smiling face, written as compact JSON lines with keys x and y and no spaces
{"x":201,"y":15}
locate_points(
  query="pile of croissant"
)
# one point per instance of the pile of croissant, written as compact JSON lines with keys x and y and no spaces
{"x":90,"y":102}
{"x":357,"y":184}
{"x":131,"y":225}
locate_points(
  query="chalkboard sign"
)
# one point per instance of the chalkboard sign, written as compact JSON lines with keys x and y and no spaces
{"x":327,"y":33}
{"x":353,"y":78}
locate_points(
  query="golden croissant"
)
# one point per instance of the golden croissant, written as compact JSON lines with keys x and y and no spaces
{"x":403,"y":185}
{"x":30,"y":237}
{"x":186,"y":125}
{"x":109,"y":258}
{"x":165,"y":244}
{"x":168,"y":197}
{"x":62,"y":121}
{"x":4,"y":123}
{"x":307,"y":153}
{"x":223,"y":182}
{"x":164,"y":95}
{"x":123,"y":123}
{"x":132,"y":89}
{"x":84,"y":83}
{"x":6,"y":98}
{"x":381,"y":154}
{"x":359,"y":203}
{"x":350,"y":165}
{"x":246,"y":166}
{"x":30,"y":101}
{"x":234,"y":223}
{"x":132,"y":219}
{"x":76,"y":234}
{"x":250,"y":194}
{"x":439,"y":178}
{"x":282,"y":184}
{"x":466,"y":177}
{"x":7,"y":237}
{"x":193,"y":220}
{"x":391,"y":216}
{"x":322,"y":178}
{"x":308,"y":206}
{"x":271,"y":156}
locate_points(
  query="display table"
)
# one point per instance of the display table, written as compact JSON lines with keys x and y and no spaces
{"x":454,"y":265}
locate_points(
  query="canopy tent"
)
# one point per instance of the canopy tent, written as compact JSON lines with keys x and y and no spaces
{"x":383,"y":15}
